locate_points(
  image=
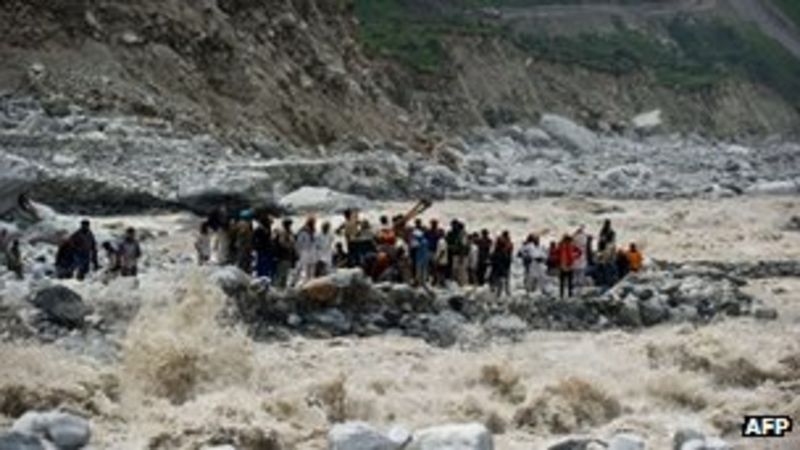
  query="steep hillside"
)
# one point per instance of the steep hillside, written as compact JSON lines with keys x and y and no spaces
{"x":234,"y":67}
{"x":316,"y":72}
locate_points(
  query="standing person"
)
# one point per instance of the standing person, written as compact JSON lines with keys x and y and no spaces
{"x":243,"y":242}
{"x":458,"y":250}
{"x":305,"y":247}
{"x":526,"y":254}
{"x":473,"y":259}
{"x":440,"y":260}
{"x":350,"y":229}
{"x":568,"y":253}
{"x":484,"y":254}
{"x":606,"y":272}
{"x":433,"y":235}
{"x":264,"y":248}
{"x":340,"y":257}
{"x":635,"y":258}
{"x":552,"y":259}
{"x":14,"y":259}
{"x":422,"y":256}
{"x":607,"y":236}
{"x":581,"y":241}
{"x":129,"y":253}
{"x":65,"y":259}
{"x":284,"y":252}
{"x":112,"y":258}
{"x":220,"y":240}
{"x":202,"y":244}
{"x":539,"y":264}
{"x":501,"y":260}
{"x":85,"y":250}
{"x":324,"y":250}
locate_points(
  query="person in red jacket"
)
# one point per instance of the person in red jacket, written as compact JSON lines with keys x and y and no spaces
{"x":567,"y":255}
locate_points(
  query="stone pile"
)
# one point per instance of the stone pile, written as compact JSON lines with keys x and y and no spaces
{"x":348,"y":303}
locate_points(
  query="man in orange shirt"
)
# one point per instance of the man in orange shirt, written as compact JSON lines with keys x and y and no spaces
{"x":635,"y":258}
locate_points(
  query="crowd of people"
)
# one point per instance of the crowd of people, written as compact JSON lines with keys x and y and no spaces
{"x":400,"y":249}
{"x":404,"y":249}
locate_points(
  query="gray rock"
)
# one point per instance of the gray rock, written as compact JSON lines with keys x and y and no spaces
{"x":785,"y":187}
{"x":16,"y":177}
{"x":653,"y":311}
{"x":509,"y":325}
{"x":358,"y":436}
{"x":231,"y":279}
{"x":453,"y":437}
{"x":626,"y":441}
{"x":322,"y":200}
{"x":569,"y":134}
{"x":62,"y":306}
{"x":579,"y":444}
{"x":66,"y":431}
{"x":333,"y":319}
{"x":685,"y":435}
{"x":765,"y":313}
{"x":19,"y":441}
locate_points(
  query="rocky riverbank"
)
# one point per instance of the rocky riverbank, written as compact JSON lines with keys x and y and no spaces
{"x":75,"y":160}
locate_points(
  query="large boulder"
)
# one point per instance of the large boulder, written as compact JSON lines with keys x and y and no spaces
{"x":472,"y":436}
{"x":62,"y":306}
{"x":322,"y":200}
{"x":648,"y":121}
{"x":360,"y":436}
{"x":573,"y":136}
{"x":331,"y":288}
{"x":64,"y":430}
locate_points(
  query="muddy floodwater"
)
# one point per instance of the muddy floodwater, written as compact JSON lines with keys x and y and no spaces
{"x":175,"y":378}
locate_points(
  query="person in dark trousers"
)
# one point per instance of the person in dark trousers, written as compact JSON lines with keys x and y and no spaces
{"x":484,"y":254}
{"x":264,"y":248}
{"x":85,"y":250}
{"x":284,"y":253}
{"x":567,"y":255}
{"x":501,"y":260}
{"x":340,"y":257}
{"x":65,"y":260}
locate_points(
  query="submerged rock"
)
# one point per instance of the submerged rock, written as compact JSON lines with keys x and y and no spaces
{"x":62,"y":306}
